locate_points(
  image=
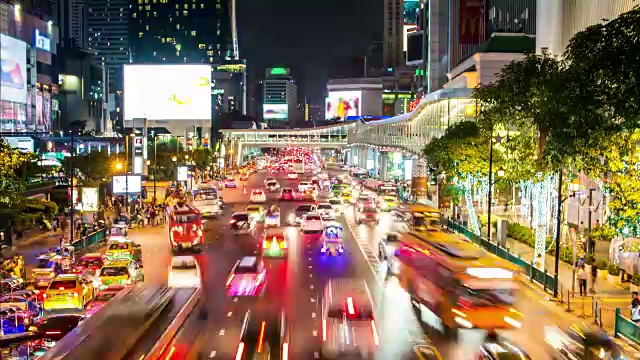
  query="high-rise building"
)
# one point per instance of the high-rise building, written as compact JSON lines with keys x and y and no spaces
{"x":108,"y":36}
{"x":393,"y":34}
{"x":182,"y":31}
{"x":280,"y":98}
{"x":71,"y":15}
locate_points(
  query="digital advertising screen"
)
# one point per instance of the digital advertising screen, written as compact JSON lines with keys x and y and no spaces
{"x":167,"y":92}
{"x":89,"y":199}
{"x":120,"y":184}
{"x":13,"y":69}
{"x":275,"y":111}
{"x":183,"y":173}
{"x":341,"y":104}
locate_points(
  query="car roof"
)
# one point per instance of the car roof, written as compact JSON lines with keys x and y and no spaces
{"x":248,"y":261}
{"x":91,"y":255}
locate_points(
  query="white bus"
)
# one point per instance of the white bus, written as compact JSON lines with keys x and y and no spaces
{"x":207,"y":201}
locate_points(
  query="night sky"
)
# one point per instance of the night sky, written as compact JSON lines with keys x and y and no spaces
{"x":308,"y":36}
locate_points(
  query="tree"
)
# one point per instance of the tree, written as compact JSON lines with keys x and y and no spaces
{"x":11,"y":187}
{"x":202,"y":158}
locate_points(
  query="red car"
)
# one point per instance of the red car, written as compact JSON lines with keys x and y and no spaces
{"x":102,"y":298}
{"x":89,"y":263}
{"x":287,"y":194}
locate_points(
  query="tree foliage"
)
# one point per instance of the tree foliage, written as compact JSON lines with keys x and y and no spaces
{"x":11,"y":187}
{"x":202,"y":158}
{"x":96,"y":166}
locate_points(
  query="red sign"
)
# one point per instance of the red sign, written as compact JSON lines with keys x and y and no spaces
{"x":471,"y":22}
{"x":413,"y":104}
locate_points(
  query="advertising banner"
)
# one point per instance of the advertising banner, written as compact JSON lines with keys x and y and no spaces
{"x":89,"y":199}
{"x":341,"y":104}
{"x":183,"y":173}
{"x":471,"y":22}
{"x":167,"y":92}
{"x":13,"y":69}
{"x":121,"y":182}
{"x":275,"y":111}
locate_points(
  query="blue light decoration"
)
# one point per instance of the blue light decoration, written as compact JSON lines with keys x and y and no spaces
{"x":542,"y":203}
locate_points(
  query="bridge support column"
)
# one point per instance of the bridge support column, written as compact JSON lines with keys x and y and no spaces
{"x":384,"y":165}
{"x":362,"y":159}
{"x":419,"y":180}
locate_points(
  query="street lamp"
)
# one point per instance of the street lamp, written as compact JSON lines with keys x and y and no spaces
{"x":174,"y":158}
{"x":118,"y":166}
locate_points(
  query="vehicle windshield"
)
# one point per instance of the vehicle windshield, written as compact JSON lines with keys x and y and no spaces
{"x":89,"y":262}
{"x":185,"y":219}
{"x":325,"y":207}
{"x":257,"y":192}
{"x":272,"y":183}
{"x":241,"y":217}
{"x":246,"y":269}
{"x":118,"y":231}
{"x":114,"y":271}
{"x":304,"y":208}
{"x":287,"y":191}
{"x":119,"y":246}
{"x":104,"y":297}
{"x":314,"y":218}
{"x":335,"y":201}
{"x":489,"y":297}
{"x":63,"y":284}
{"x":369,"y":209}
{"x":44,"y":264}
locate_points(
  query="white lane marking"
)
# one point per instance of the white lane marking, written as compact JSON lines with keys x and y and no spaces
{"x":309,"y":259}
{"x":316,"y":355}
{"x":229,"y":314}
{"x":212,"y":354}
{"x":235,"y":299}
{"x":311,"y":287}
{"x":365,"y":248}
{"x":314,"y":333}
{"x":221,"y":332}
{"x":313,"y":315}
{"x":310,"y":275}
{"x":312,"y":300}
{"x":310,"y":267}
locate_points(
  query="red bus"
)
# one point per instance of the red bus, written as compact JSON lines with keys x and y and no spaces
{"x":185,"y":226}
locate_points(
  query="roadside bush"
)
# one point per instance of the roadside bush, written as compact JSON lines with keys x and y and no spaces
{"x":614,"y":269}
{"x":602,"y":264}
{"x":603,"y":233}
{"x":635,"y":279}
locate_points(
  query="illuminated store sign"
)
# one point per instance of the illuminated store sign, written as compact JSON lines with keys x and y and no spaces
{"x":41,"y":41}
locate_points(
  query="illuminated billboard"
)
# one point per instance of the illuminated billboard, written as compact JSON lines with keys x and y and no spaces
{"x":130,"y":184}
{"x":167,"y":92}
{"x":341,"y":104}
{"x":275,"y":111}
{"x":13,"y":69}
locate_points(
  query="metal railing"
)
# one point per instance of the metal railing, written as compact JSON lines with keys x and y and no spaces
{"x":92,"y":239}
{"x":626,"y":328}
{"x":548,"y":281}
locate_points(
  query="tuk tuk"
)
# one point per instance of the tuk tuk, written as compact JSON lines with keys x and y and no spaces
{"x":332,"y":240}
{"x":118,"y":232}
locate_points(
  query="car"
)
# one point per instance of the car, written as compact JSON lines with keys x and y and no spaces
{"x":275,"y":243}
{"x":495,"y":348}
{"x":303,"y":186}
{"x":272,"y":186}
{"x":184,"y":272}
{"x":292,"y":175}
{"x":242,"y":223}
{"x":387,"y":247}
{"x":118,"y":232}
{"x":268,"y":180}
{"x":89,"y":264}
{"x":338,"y":205}
{"x":24,"y":300}
{"x":332,"y":239}
{"x":581,"y":341}
{"x":287,"y":194}
{"x":67,"y":291}
{"x":388,"y":203}
{"x":347,"y":308}
{"x":365,"y":201}
{"x":248,"y":277}
{"x":367,"y":214}
{"x":258,"y":196}
{"x":312,"y":224}
{"x":55,"y":327}
{"x":11,"y":284}
{"x":256,"y":212}
{"x":300,"y":212}
{"x":272,"y":218}
{"x":123,"y":249}
{"x":101,"y":299}
{"x":308,"y":195}
{"x":119,"y":272}
{"x":264,"y":336}
{"x":230,"y":182}
{"x":326,"y":211}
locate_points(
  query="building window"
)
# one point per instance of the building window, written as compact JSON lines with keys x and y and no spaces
{"x":177,"y":26}
{"x":140,"y":35}
{"x":201,"y":6}
{"x":201,"y":46}
{"x":193,"y":33}
{"x":185,"y":13}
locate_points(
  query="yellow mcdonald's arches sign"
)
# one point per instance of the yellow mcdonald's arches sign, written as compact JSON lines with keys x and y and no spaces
{"x":469,"y":25}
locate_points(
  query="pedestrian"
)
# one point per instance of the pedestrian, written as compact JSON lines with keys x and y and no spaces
{"x":635,"y":307}
{"x":594,"y":277}
{"x":582,"y":280}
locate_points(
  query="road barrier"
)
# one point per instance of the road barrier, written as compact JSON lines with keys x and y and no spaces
{"x":626,"y":328}
{"x":548,"y":281}
{"x":92,"y":239}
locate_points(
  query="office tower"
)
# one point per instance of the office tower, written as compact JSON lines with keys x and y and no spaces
{"x":108,"y":36}
{"x":182,"y":31}
{"x":393,"y":33}
{"x":71,"y":16}
{"x":280,"y":98}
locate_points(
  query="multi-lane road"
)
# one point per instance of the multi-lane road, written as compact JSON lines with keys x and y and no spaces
{"x":296,"y":284}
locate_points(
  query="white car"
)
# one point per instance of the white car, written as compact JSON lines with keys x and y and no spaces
{"x":312,"y":224}
{"x":337,"y":204}
{"x":292,"y":175}
{"x":304,"y":185}
{"x":257,"y":196}
{"x":326,"y":211}
{"x":184,"y":272}
{"x":268,"y":180}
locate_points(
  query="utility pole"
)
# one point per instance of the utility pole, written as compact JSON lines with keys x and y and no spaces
{"x":71,"y":177}
{"x":558,"y":232}
{"x":591,"y":246}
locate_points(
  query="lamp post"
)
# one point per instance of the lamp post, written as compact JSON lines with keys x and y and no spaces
{"x":500,"y":173}
{"x":574,"y":187}
{"x":71,"y":178}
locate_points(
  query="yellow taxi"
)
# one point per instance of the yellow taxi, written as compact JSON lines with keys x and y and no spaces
{"x":346,"y":195}
{"x":67,"y":291}
{"x":122,"y":249}
{"x":256,"y":212}
{"x":388,"y":203}
{"x":119,"y":272}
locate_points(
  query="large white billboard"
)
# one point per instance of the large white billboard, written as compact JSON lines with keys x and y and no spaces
{"x":13,"y":69}
{"x":167,"y":92}
{"x":343,"y":103}
{"x":122,"y":182}
{"x":275,"y":111}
